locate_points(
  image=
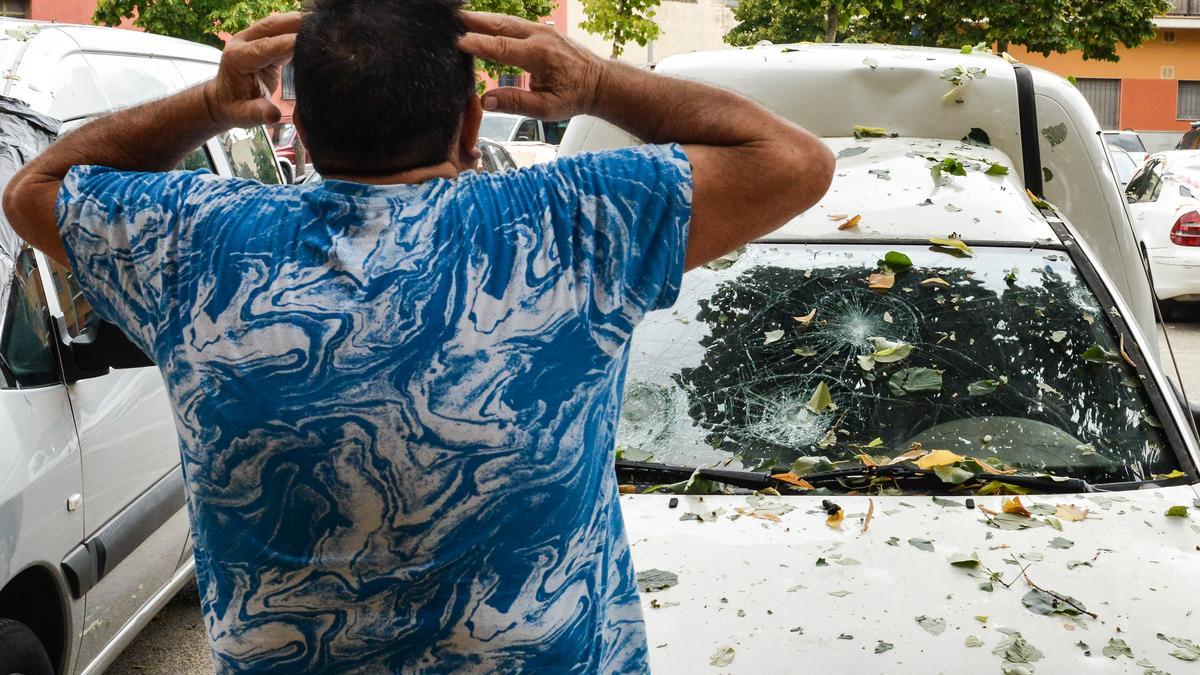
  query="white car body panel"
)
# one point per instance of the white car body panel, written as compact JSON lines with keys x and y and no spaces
{"x":1140,"y":580}
{"x":829,"y":89}
{"x":109,"y":438}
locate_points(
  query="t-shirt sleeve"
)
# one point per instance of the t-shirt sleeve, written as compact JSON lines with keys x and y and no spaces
{"x":122,"y":232}
{"x":620,"y":222}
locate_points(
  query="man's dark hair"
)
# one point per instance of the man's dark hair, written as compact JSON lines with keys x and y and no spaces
{"x":381,"y":85}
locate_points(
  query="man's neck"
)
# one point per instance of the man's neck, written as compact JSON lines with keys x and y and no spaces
{"x":446,"y":169}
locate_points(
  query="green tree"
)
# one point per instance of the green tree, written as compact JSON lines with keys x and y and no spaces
{"x":195,"y":20}
{"x":791,"y":21}
{"x":1042,"y":26}
{"x":621,"y":21}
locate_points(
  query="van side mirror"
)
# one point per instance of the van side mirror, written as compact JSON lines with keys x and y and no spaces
{"x":101,"y":346}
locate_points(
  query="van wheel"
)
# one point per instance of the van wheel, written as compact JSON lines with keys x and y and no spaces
{"x":21,"y":651}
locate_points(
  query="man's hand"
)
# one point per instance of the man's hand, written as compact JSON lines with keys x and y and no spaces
{"x":240,"y":96}
{"x":566,"y":78}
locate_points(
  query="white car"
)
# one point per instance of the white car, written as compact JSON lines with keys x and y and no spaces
{"x":529,"y":141}
{"x":1129,"y":141}
{"x":1164,"y":201}
{"x":94,"y":534}
{"x":823,"y":443}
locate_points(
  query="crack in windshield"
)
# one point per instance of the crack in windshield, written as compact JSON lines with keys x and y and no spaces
{"x":1006,"y":356}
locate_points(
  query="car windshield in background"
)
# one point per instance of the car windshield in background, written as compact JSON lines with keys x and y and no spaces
{"x":786,"y":353}
{"x":1126,"y":142}
{"x":250,"y":156}
{"x":497,"y":128}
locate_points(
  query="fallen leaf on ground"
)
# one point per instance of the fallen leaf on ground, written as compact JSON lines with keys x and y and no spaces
{"x":938,"y":458}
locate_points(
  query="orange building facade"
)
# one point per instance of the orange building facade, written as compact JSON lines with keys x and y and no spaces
{"x":1154,"y":87}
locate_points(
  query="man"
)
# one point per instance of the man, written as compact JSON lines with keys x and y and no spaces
{"x":396,"y":391}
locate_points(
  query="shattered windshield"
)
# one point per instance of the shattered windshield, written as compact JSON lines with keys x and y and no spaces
{"x":788,"y":352}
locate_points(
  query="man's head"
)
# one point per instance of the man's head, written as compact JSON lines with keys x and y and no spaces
{"x":381,"y":86}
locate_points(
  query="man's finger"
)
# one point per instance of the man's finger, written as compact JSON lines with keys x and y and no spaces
{"x":262,"y":53}
{"x":276,"y":24}
{"x":505,"y":50}
{"x":515,"y":100}
{"x":490,"y":23}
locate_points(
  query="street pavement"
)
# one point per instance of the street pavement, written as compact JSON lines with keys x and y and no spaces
{"x":175,"y":643}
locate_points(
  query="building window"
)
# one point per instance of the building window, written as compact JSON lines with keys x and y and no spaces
{"x":287,"y":81}
{"x":1104,"y":96}
{"x":14,"y":9}
{"x":1168,"y":36}
{"x":509,"y":80}
{"x":1188,"y":106}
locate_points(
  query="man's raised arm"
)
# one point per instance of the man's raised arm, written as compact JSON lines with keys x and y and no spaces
{"x":155,"y":136}
{"x":752,"y":170}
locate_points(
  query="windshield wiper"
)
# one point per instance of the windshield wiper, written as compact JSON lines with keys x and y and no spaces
{"x":652,"y":472}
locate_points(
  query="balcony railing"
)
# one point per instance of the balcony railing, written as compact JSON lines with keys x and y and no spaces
{"x":1184,"y":8}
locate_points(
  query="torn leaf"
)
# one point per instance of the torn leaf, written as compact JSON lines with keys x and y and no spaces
{"x":821,"y":400}
{"x":881,"y":281}
{"x":915,"y":381}
{"x":722,"y":657}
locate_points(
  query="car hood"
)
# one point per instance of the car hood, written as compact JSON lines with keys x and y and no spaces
{"x":770,"y":580}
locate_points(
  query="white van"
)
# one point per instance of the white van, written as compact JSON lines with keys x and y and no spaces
{"x":94,"y":535}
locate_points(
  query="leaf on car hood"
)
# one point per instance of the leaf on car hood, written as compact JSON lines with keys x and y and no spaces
{"x":1187,"y":650}
{"x":1016,"y":649}
{"x":725,"y":261}
{"x":852,"y":222}
{"x":1013,"y":505}
{"x":922,"y":544}
{"x":881,"y":646}
{"x":1070,"y":512}
{"x":969,"y":560}
{"x":1041,"y":602}
{"x":951,"y":244}
{"x":652,"y":580}
{"x":1177,"y":511}
{"x":722,"y":657}
{"x":1117,"y":647}
{"x":932,"y":625}
{"x":938,"y":458}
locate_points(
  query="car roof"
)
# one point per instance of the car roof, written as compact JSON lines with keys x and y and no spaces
{"x":104,"y":39}
{"x":888,"y":184}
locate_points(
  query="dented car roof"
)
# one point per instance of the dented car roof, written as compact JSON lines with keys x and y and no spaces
{"x":888,"y":184}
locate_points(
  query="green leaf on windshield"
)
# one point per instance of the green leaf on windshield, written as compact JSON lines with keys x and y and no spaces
{"x":889,"y":351}
{"x":806,"y":465}
{"x":1177,"y":511}
{"x":915,"y":381}
{"x":821,"y":400}
{"x":982,"y":387}
{"x":997,"y":170}
{"x":1098,"y":354}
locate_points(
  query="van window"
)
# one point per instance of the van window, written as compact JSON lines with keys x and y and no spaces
{"x":250,"y":156}
{"x":25,"y":337}
{"x":527,"y":131}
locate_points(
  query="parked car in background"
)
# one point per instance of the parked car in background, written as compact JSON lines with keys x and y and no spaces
{"x":283,"y":139}
{"x":1128,"y":141}
{"x":920,"y":428}
{"x":504,"y":128}
{"x":1164,"y":200}
{"x":1124,"y":165}
{"x":1190,"y":139}
{"x":493,"y":158}
{"x":94,"y":534}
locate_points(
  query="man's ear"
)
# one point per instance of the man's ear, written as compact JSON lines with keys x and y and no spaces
{"x":468,"y":137}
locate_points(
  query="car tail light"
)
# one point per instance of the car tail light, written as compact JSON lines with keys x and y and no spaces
{"x":1186,"y":231}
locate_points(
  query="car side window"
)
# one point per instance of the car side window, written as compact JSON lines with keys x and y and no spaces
{"x":1141,"y":186}
{"x":555,"y":130}
{"x":527,"y":131}
{"x":250,"y":156}
{"x":77,"y":311}
{"x":26,"y":359}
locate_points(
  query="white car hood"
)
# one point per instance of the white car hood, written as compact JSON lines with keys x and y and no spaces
{"x":752,"y":583}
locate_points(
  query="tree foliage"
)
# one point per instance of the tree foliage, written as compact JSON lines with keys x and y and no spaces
{"x":621,"y":21}
{"x":1041,"y":26}
{"x":195,"y":20}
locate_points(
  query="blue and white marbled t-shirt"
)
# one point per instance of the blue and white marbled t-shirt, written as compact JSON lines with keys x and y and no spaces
{"x":397,"y":404}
